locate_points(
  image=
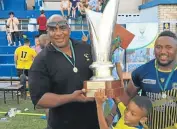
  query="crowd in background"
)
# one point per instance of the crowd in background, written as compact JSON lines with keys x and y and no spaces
{"x":69,"y":9}
{"x":76,"y":7}
{"x":73,"y":8}
{"x":27,"y":52}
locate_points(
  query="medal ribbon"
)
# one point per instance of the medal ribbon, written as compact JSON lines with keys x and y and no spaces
{"x":168,"y":79}
{"x":72,"y":50}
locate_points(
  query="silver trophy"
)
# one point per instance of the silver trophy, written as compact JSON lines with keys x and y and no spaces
{"x":101,"y":28}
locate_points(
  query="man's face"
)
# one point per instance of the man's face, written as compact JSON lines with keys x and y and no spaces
{"x":133,"y":114}
{"x":59,"y":35}
{"x":165,"y":50}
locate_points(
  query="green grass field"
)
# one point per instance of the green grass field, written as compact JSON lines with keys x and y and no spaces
{"x":21,"y":121}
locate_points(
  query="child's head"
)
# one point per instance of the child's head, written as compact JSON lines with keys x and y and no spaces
{"x":137,"y":110}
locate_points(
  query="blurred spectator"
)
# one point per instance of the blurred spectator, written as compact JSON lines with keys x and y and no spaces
{"x":13,"y":23}
{"x":42,"y":22}
{"x":44,"y":39}
{"x":103,"y":3}
{"x":94,"y":5}
{"x":65,"y":5}
{"x":74,"y":7}
{"x":33,"y":25}
{"x":99,"y":5}
{"x":8,"y":33}
{"x":36,"y":47}
{"x":23,"y":58}
{"x":81,"y":7}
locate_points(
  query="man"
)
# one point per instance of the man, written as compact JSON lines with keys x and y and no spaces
{"x":74,"y":8}
{"x":158,"y":81}
{"x":81,"y":8}
{"x":24,"y":57}
{"x":42,"y":21}
{"x":13,"y":23}
{"x":44,"y":40}
{"x":65,"y":5}
{"x":56,"y":79}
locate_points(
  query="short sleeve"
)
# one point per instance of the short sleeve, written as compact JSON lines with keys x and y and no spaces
{"x":121,"y":108}
{"x":136,"y":78}
{"x":39,"y":82}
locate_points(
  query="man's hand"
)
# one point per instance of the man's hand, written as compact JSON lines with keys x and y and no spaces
{"x":78,"y":96}
{"x":100,"y":97}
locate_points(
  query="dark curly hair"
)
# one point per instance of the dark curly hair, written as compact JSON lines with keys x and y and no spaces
{"x":169,"y":34}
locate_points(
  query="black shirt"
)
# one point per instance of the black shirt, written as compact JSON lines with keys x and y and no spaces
{"x":52,"y":72}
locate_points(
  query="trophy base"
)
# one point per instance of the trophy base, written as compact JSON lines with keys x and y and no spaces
{"x":112,"y":88}
{"x":94,"y":78}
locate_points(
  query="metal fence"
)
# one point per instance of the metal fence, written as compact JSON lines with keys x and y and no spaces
{"x":30,"y":24}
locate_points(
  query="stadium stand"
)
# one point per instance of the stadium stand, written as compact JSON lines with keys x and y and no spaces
{"x":19,"y":7}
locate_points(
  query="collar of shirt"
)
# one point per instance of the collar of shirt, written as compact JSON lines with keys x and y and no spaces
{"x":51,"y":48}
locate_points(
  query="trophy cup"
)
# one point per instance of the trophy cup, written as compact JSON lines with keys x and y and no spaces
{"x":101,"y":28}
